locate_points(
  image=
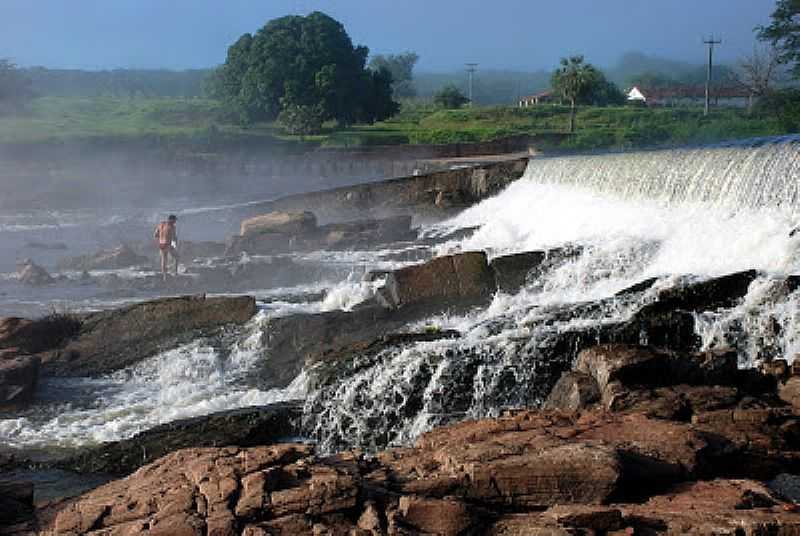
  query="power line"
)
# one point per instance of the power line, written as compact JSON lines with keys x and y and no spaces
{"x":471,"y":68}
{"x":710,"y":42}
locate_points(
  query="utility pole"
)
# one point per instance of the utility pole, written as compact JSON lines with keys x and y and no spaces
{"x":710,"y":42}
{"x":471,"y":68}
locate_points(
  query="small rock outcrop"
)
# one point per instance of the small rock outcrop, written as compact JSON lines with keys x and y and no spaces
{"x":32,"y":274}
{"x":142,"y":330}
{"x":280,"y":222}
{"x":122,"y":256}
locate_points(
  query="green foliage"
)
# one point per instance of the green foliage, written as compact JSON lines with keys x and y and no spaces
{"x":301,"y":119}
{"x":784,"y":33}
{"x":784,"y":106}
{"x":575,"y":80}
{"x":401,"y":67}
{"x":450,"y":97}
{"x":302,"y":62}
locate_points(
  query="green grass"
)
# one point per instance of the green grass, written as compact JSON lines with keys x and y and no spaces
{"x":203,"y":123}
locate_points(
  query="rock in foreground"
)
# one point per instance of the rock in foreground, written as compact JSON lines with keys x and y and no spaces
{"x":521,"y":474}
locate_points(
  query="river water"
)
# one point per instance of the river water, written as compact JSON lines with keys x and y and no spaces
{"x":677,"y":215}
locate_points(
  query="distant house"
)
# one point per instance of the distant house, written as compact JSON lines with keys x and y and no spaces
{"x":689,"y":96}
{"x":545,"y":97}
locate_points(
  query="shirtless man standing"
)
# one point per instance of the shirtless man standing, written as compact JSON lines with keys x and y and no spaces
{"x":167,"y":236}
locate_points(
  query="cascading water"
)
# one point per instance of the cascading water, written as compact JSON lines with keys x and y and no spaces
{"x":674,"y":215}
{"x":677,"y":215}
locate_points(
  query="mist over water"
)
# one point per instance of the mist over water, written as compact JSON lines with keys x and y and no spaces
{"x":677,"y":215}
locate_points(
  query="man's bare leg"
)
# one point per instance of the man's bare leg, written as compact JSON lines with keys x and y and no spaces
{"x":174,"y":252}
{"x":163,"y":264}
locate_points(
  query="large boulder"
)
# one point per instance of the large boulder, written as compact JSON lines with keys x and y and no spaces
{"x":246,"y":427}
{"x":18,"y":378}
{"x":111,"y":340}
{"x":453,"y":280}
{"x":297,"y":341}
{"x":122,"y":256}
{"x":291,"y":223}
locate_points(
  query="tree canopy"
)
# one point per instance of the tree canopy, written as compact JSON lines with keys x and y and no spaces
{"x":450,"y":97}
{"x":401,"y":66}
{"x":575,"y":80}
{"x":306,"y":66}
{"x":784,"y":33}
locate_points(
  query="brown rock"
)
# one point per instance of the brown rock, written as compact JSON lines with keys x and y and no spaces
{"x":587,"y":517}
{"x":631,"y":365}
{"x":462,"y":279}
{"x":709,"y":507}
{"x":142,"y":330}
{"x":370,"y":519}
{"x":789,"y":392}
{"x":18,"y":378}
{"x":445,"y":517}
{"x":10,"y":330}
{"x":279,"y":222}
{"x":572,"y":392}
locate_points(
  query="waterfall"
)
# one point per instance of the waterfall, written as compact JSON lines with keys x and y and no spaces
{"x":675,"y":215}
{"x":751,"y":174}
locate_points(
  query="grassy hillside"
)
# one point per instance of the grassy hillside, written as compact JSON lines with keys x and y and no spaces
{"x":203,"y":122}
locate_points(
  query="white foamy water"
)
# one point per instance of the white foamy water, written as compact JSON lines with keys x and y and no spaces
{"x":679,"y":216}
{"x":195,"y":379}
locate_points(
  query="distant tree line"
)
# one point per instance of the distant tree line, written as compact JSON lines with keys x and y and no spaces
{"x":117,"y":82}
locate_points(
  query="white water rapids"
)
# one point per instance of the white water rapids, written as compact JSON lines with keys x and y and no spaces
{"x":676,"y":215}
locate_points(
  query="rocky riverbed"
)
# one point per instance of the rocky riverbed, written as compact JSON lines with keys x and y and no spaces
{"x":548,"y":361}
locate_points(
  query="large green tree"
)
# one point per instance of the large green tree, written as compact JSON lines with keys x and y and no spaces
{"x":401,"y":66}
{"x":575,"y":80}
{"x":784,"y":33}
{"x":306,"y":66}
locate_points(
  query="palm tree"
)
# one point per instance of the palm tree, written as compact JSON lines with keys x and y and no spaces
{"x":573,"y":79}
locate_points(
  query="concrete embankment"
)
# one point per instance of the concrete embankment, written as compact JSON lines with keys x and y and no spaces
{"x":427,"y":194}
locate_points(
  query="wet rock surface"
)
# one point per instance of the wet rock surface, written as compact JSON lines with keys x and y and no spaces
{"x":122,"y":256}
{"x":142,"y":330}
{"x":243,"y":427}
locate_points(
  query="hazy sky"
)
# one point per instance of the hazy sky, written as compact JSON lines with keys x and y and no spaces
{"x":518,"y":34}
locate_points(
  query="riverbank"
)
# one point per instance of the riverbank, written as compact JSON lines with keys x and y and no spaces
{"x":201,"y":125}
